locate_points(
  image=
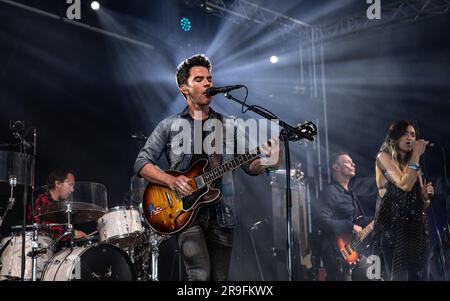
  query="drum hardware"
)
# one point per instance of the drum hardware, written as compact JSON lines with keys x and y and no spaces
{"x":86,"y":203}
{"x":69,"y":212}
{"x":36,"y":248}
{"x":37,"y":251}
{"x":87,"y":241}
{"x":22,"y":166}
{"x":69,"y":231}
{"x":12,"y":183}
{"x":154,"y":241}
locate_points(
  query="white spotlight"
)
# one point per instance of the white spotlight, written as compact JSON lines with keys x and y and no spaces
{"x":274,"y":59}
{"x":95,"y":5}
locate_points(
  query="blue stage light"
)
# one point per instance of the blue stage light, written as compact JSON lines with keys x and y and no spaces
{"x":186,"y":24}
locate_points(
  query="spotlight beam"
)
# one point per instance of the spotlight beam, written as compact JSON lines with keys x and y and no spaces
{"x":108,"y":33}
{"x":79,"y":24}
{"x":31,"y":9}
{"x":248,"y":11}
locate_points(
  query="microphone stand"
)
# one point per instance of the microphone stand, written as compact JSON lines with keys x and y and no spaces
{"x":442,"y":262}
{"x":24,"y":211}
{"x":288,"y":133}
{"x":253,"y":228}
{"x":446,"y":187}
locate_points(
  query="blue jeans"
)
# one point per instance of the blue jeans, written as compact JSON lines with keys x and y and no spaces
{"x":206,"y":250}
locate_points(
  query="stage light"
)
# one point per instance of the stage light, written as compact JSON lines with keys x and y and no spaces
{"x":95,"y":5}
{"x":186,"y":24}
{"x":274,"y":59}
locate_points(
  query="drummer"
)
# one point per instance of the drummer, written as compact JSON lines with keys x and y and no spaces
{"x":60,"y":186}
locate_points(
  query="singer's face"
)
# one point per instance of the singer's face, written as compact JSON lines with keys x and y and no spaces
{"x":405,"y":143}
{"x":199,"y":80}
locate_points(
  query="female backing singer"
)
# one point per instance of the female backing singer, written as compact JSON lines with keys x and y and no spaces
{"x":401,"y":228}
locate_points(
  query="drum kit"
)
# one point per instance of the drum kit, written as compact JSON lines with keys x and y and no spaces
{"x":122,"y":249}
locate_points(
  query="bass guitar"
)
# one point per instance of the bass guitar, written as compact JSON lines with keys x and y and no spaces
{"x":349,"y":248}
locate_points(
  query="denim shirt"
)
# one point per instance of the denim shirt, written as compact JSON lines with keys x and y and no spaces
{"x":165,"y":137}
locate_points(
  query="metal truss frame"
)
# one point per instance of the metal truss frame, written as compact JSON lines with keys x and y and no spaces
{"x":242,"y":11}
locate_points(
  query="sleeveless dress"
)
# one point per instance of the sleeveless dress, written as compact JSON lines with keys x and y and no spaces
{"x":401,"y":232}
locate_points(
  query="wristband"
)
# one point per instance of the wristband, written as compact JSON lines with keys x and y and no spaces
{"x":414,"y":166}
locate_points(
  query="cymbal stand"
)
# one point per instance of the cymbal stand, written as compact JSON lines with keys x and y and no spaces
{"x":69,"y":230}
{"x":154,"y":242}
{"x":11,"y":201}
{"x":69,"y":223}
{"x":35,"y":251}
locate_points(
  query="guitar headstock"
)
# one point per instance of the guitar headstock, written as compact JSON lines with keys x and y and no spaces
{"x":307,"y":130}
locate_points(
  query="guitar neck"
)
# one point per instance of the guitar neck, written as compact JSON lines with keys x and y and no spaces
{"x":366,"y":231}
{"x":221,"y":170}
{"x":307,"y":130}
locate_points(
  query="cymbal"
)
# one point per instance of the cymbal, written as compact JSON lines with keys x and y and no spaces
{"x":81,"y":212}
{"x":37,"y":226}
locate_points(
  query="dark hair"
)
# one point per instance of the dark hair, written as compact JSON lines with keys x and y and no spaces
{"x":58,"y":175}
{"x":185,"y":66}
{"x":335,"y":156}
{"x":390,"y":145}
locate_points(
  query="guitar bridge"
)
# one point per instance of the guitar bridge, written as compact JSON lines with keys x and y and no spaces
{"x":200,"y":182}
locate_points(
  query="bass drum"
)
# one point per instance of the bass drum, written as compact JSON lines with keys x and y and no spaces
{"x":103,"y":262}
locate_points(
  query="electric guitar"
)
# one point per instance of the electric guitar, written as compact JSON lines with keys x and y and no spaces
{"x":348,"y":249}
{"x":167,"y":212}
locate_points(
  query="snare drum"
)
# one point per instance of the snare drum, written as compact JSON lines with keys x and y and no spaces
{"x":11,"y":257}
{"x":103,"y":262}
{"x":120,"y":226}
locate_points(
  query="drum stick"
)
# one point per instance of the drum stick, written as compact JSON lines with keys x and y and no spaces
{"x":90,"y":234}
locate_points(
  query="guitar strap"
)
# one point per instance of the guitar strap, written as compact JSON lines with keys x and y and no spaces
{"x":358,"y":204}
{"x":216,"y":159}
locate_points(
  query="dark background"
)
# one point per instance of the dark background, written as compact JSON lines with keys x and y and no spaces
{"x":87,"y":93}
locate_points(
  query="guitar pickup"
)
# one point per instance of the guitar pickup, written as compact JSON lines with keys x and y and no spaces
{"x":169,"y":200}
{"x":200,"y":182}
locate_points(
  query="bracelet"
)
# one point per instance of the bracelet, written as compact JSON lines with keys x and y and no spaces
{"x":414,"y":166}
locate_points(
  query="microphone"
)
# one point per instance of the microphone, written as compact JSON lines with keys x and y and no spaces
{"x":430,"y":144}
{"x":216,"y":90}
